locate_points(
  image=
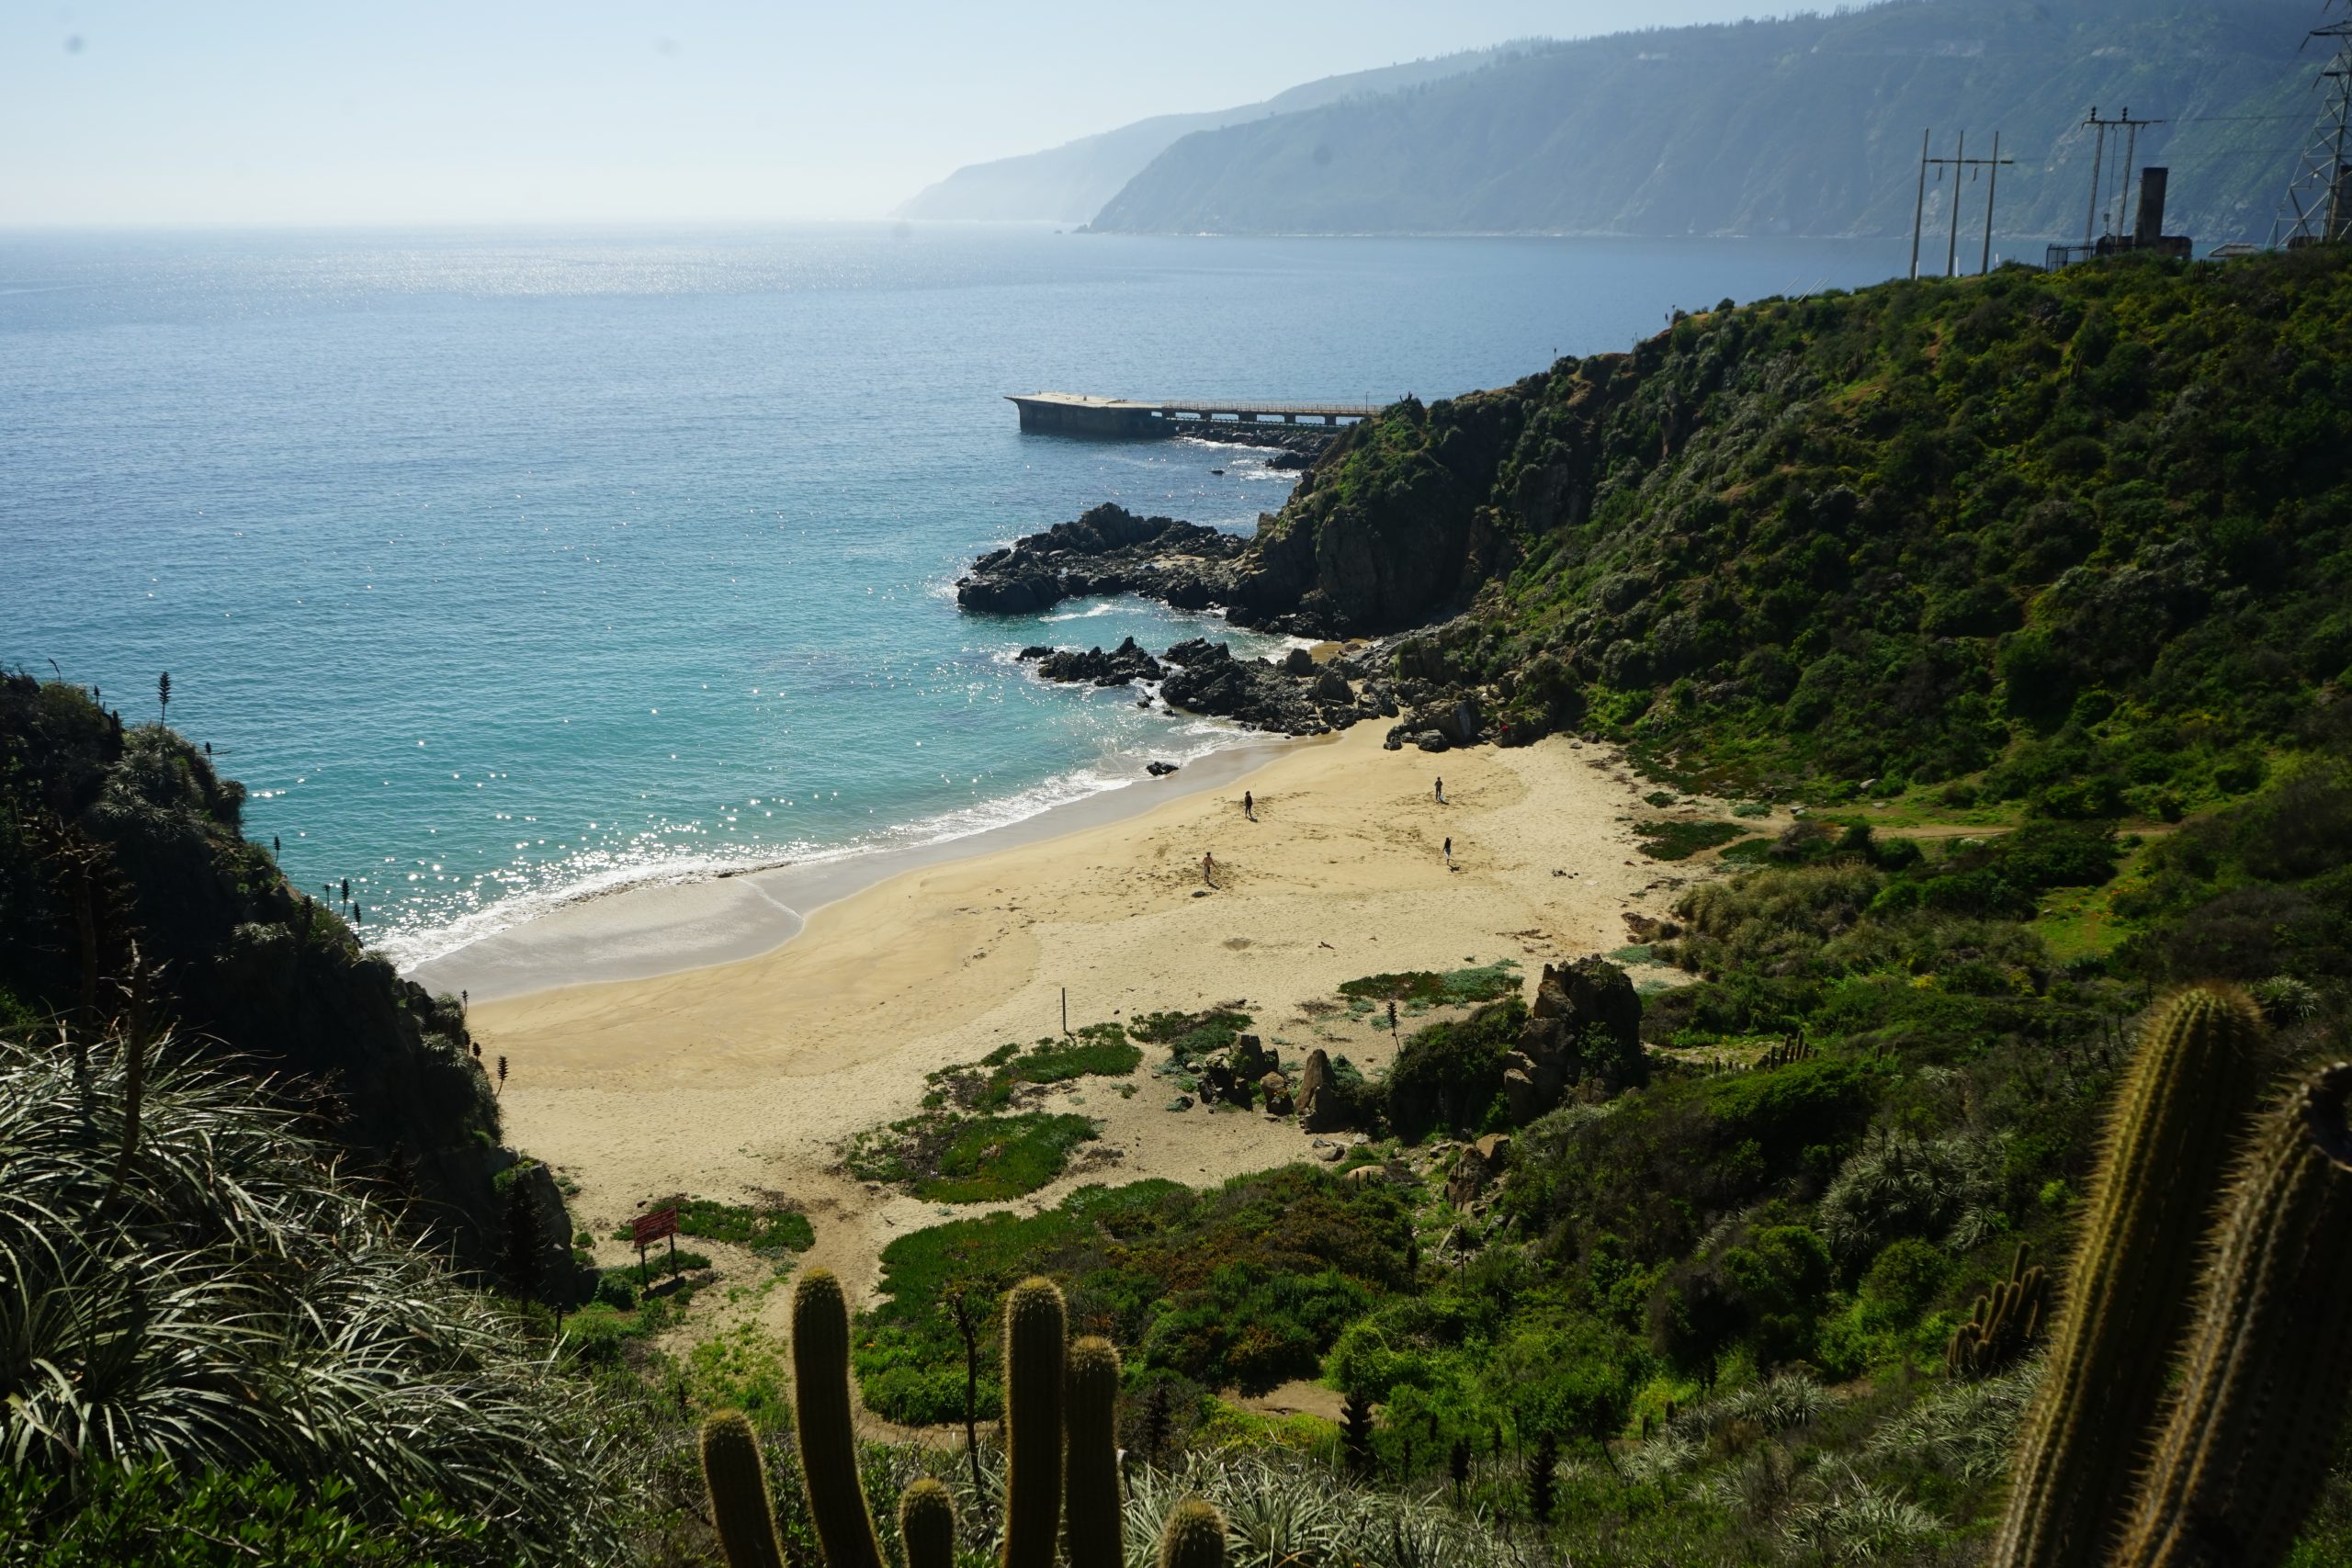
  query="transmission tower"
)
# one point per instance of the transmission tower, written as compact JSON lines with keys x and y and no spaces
{"x":2318,"y":207}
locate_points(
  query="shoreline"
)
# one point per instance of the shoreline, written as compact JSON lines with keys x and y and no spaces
{"x":742,"y":1081}
{"x":648,"y":929}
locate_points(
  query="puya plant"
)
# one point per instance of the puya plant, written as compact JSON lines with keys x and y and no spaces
{"x":2254,"y":1344}
{"x":1059,"y":1423}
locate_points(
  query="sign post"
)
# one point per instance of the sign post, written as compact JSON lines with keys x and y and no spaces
{"x":646,"y":1229}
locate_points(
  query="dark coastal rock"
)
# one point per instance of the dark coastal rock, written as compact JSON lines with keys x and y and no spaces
{"x":1158,"y":769}
{"x":1248,"y":690}
{"x":1197,"y":650}
{"x":1123,"y":664}
{"x":1320,"y":1110}
{"x":1035,"y":650}
{"x":1107,"y":550}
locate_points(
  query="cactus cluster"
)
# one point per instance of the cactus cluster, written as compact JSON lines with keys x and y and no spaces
{"x":2113,"y":1469}
{"x":1052,"y":1388}
{"x":1788,"y":1053}
{"x":2007,"y":1322}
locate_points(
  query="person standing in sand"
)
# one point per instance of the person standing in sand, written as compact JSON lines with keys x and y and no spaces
{"x":1248,"y":805}
{"x":1208,"y":867}
{"x":1440,"y":791}
{"x":1449,"y":854}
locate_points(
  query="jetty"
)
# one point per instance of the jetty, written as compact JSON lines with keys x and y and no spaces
{"x":1081,"y":413}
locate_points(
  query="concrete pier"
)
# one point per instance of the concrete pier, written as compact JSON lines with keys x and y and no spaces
{"x":1079,"y":414}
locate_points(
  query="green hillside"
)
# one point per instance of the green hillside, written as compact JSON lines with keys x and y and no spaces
{"x":1808,"y":125}
{"x":2082,"y":538}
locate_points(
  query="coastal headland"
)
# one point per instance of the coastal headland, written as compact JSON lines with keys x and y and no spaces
{"x":747,"y":1078}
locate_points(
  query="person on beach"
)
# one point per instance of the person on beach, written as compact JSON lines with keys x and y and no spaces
{"x":1441,"y":791}
{"x":1248,"y":805}
{"x":1208,"y":867}
{"x":1449,"y":854}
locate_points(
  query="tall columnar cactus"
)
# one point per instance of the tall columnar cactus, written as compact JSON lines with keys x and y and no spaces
{"x":2006,"y":1321}
{"x":927,"y":1525}
{"x":736,"y":1479}
{"x":2268,"y":1370}
{"x":828,"y":1445}
{"x":2184,"y":1099}
{"x":1090,"y":1465}
{"x":1035,"y":1346}
{"x":1193,"y":1536}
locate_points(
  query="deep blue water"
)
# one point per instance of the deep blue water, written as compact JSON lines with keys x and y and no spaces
{"x":502,"y":566}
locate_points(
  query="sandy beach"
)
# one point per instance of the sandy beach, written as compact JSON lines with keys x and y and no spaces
{"x":744,"y":1078}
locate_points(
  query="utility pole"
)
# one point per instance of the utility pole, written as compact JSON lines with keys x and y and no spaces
{"x":1992,"y":184}
{"x":1919,"y":208}
{"x":1952,"y":251}
{"x":2123,"y":122}
{"x":1959,"y":161}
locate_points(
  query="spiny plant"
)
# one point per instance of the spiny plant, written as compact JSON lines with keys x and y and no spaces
{"x":2269,"y":1367}
{"x":1193,"y":1537}
{"x":736,"y":1477}
{"x":2182,"y":1102}
{"x":2006,"y":1321}
{"x":1036,"y":1341}
{"x":828,"y":1440}
{"x":1037,"y":1358}
{"x":927,"y":1525}
{"x":1091,"y":1468}
{"x":186,"y":1283}
{"x":1356,"y":1432}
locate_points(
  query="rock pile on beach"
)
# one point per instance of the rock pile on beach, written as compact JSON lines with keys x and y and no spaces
{"x":1124,"y":664}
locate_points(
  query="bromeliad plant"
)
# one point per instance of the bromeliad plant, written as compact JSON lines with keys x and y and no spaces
{"x":1051,"y":1387}
{"x":186,"y":1283}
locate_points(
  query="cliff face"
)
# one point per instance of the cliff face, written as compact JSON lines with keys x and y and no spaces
{"x":112,"y":836}
{"x":2090,"y":525}
{"x":1807,"y":124}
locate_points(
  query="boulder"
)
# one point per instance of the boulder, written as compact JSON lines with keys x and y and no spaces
{"x":1429,"y":740}
{"x":1121,"y":665}
{"x":1521,"y":1095}
{"x":1251,"y":1058}
{"x":1330,"y":686}
{"x":1366,"y":1176}
{"x":1319,"y":1097}
{"x":1298,"y":661}
{"x":1158,"y":769}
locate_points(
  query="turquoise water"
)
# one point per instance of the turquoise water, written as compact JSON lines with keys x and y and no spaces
{"x":507,"y":567}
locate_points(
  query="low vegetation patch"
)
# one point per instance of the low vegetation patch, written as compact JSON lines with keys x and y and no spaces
{"x":1681,"y":841}
{"x":955,"y":1158}
{"x":1099,"y":1050}
{"x":1189,"y":1036}
{"x":1418,"y":990}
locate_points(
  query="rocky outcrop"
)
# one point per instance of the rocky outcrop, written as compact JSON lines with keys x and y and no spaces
{"x":1125,"y":663}
{"x":1260,"y":695}
{"x":1477,"y":1167}
{"x":1108,"y":550}
{"x":1583,"y":1027}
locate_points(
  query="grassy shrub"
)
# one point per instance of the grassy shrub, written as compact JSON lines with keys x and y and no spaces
{"x":766,"y":1230}
{"x":1681,"y":841}
{"x":1099,"y":1050}
{"x":1418,"y":990}
{"x":276,"y":1313}
{"x":1189,"y":1036}
{"x":1451,"y":1075}
{"x":953,"y":1158}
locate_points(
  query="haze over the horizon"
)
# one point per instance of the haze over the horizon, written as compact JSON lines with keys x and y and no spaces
{"x":148,"y":113}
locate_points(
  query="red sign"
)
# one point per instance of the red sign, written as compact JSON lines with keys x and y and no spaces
{"x":651,"y":1228}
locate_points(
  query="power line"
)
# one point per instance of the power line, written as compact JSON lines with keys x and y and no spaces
{"x":1956,"y":163}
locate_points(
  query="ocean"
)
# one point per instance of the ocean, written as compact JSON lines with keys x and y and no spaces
{"x":509,"y":567}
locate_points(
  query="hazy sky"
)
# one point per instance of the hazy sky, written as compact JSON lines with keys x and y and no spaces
{"x":241,"y":111}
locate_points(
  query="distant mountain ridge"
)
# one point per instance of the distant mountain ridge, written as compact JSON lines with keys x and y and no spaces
{"x":1070,"y":184}
{"x":1806,"y":125}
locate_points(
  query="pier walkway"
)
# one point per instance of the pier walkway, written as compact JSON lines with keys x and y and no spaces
{"x":1077,"y":414}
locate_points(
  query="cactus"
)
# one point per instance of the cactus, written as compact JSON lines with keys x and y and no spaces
{"x":1540,"y":1477}
{"x":1193,"y":1536}
{"x":2269,"y":1367}
{"x":1035,"y":1347}
{"x":927,"y":1525}
{"x":2182,"y":1102}
{"x":2006,"y":1321}
{"x":1090,"y":1465}
{"x":736,"y":1479}
{"x":1356,"y":1433}
{"x":828,"y":1446}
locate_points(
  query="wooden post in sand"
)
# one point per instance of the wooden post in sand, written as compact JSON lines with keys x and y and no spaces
{"x":1065,"y":1010}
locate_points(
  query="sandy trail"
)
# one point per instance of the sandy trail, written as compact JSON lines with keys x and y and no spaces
{"x":746,"y":1077}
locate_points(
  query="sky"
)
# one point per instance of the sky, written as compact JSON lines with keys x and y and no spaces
{"x":229,"y":112}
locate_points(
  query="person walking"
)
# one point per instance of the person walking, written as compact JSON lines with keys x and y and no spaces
{"x":1208,"y":867}
{"x":1449,"y":854}
{"x":1248,"y":805}
{"x":1440,"y":791}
